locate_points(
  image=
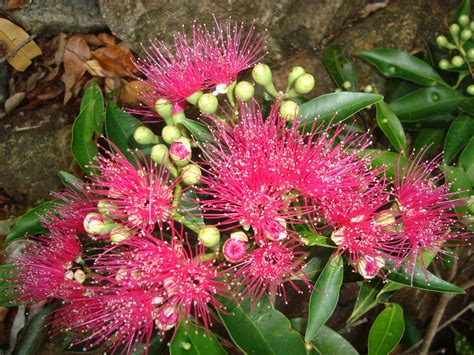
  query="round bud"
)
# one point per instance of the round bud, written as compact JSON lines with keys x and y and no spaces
{"x":234,"y":250}
{"x":470,"y":53}
{"x":262,"y":74}
{"x":368,"y":266}
{"x":170,"y":134}
{"x":144,"y":135}
{"x":466,"y":35}
{"x":338,"y":235}
{"x":96,"y":224}
{"x":454,"y":29}
{"x":457,"y":61}
{"x":105,"y":207}
{"x":239,"y":235}
{"x":369,"y":88}
{"x":304,"y":84}
{"x":180,"y":150}
{"x":159,"y":153}
{"x":186,"y":346}
{"x":470,"y":89}
{"x":208,"y":103}
{"x":79,"y":276}
{"x":209,"y":236}
{"x":164,"y":108}
{"x":191,"y":174}
{"x":471,"y":25}
{"x":289,"y":110}
{"x":193,"y":99}
{"x":347,"y":85}
{"x":244,"y":91}
{"x":442,"y":41}
{"x":444,"y":64}
{"x":385,"y":219}
{"x":463,"y":20}
{"x":295,"y":73}
{"x":119,"y":234}
{"x":167,"y":318}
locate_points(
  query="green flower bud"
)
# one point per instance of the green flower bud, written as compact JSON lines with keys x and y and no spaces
{"x":144,"y":135}
{"x":164,"y":108}
{"x":369,"y":89}
{"x":119,"y":234}
{"x":244,"y":91}
{"x":96,"y":224}
{"x":170,"y":134}
{"x":207,"y":103}
{"x":191,"y":174}
{"x":454,"y":30}
{"x":444,"y":64}
{"x":186,"y":346}
{"x":457,"y":61}
{"x":337,"y":90}
{"x":442,"y":41}
{"x":471,"y":25}
{"x":466,"y":35}
{"x":304,"y":84}
{"x":470,"y":89}
{"x":470,"y":53}
{"x":209,"y":236}
{"x":193,"y":99}
{"x":347,"y":85}
{"x":79,"y":276}
{"x":463,"y":20}
{"x":295,"y":73}
{"x":105,"y":207}
{"x":289,"y":110}
{"x":159,"y":153}
{"x":262,"y":74}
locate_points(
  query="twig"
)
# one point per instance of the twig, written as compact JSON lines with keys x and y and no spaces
{"x":17,"y":49}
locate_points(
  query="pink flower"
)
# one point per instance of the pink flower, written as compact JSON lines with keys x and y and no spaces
{"x":140,"y":194}
{"x":267,"y":267}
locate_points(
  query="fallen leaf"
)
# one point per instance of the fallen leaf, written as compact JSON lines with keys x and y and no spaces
{"x":33,"y":80}
{"x":116,"y":59}
{"x":112,"y":83}
{"x":131,"y":93}
{"x":12,"y":5}
{"x":13,"y":101}
{"x":94,"y":68}
{"x":76,"y":53}
{"x":107,"y":38}
{"x":69,"y":82}
{"x":93,"y":40}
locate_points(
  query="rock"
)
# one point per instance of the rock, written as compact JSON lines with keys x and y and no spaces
{"x":31,"y":158}
{"x":289,"y":26}
{"x":3,"y":84}
{"x":54,"y":16}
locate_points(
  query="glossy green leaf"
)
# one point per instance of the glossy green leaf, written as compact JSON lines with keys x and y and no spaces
{"x":30,"y":222}
{"x":336,"y":107}
{"x":70,"y":180}
{"x":463,"y":9}
{"x":396,"y":88}
{"x":93,"y":95}
{"x":194,"y":342}
{"x":392,"y":162}
{"x":34,"y":333}
{"x":390,"y":125}
{"x":387,"y":330}
{"x":339,"y":67}
{"x":328,"y":341}
{"x":466,"y":160}
{"x":310,"y":238}
{"x":261,"y":331}
{"x":424,"y":103}
{"x":366,"y":299}
{"x":438,"y":121}
{"x":467,"y":106}
{"x":430,"y":139}
{"x":325,"y":295}
{"x":189,"y":208}
{"x":310,"y":270}
{"x":7,"y":286}
{"x":394,"y":63}
{"x":459,"y":134}
{"x":199,"y":131}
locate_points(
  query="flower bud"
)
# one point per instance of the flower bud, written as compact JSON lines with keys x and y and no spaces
{"x":385,"y":219}
{"x":166,"y":318}
{"x":289,"y":110}
{"x":295,"y":73}
{"x":463,"y":20}
{"x":234,"y":250}
{"x":159,"y":153}
{"x":369,"y":88}
{"x":193,"y":99}
{"x":442,"y":41}
{"x":466,"y":35}
{"x":444,"y":64}
{"x":209,"y":236}
{"x":79,"y":276}
{"x":207,"y":103}
{"x":191,"y":174}
{"x":164,"y":108}
{"x":244,"y":91}
{"x":144,"y":135}
{"x":170,"y":134}
{"x":304,"y":84}
{"x":106,"y":207}
{"x":338,"y":235}
{"x":262,"y":74}
{"x":470,"y":89}
{"x":347,"y":85}
{"x":457,"y":61}
{"x":277,"y":230}
{"x":240,"y":236}
{"x":96,"y":224}
{"x":368,"y":266}
{"x":470,"y":53}
{"x":180,"y":150}
{"x":471,"y":25}
{"x":454,"y":30}
{"x":119,"y":234}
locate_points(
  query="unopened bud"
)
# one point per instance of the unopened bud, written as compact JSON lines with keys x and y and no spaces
{"x":96,"y":224}
{"x":454,"y":30}
{"x":470,"y":53}
{"x":180,"y":150}
{"x":471,"y":26}
{"x":338,"y":236}
{"x":170,"y":134}
{"x":159,"y":153}
{"x":164,"y":108}
{"x":240,"y":236}
{"x":385,"y":219}
{"x":289,"y":110}
{"x":444,"y":64}
{"x":193,"y":99}
{"x":466,"y":35}
{"x":295,"y":73}
{"x":191,"y":174}
{"x":347,"y":85}
{"x":244,"y":91}
{"x":463,"y":20}
{"x":369,"y":89}
{"x":119,"y":234}
{"x":79,"y":276}
{"x":186,"y":346}
{"x":457,"y":61}
{"x":442,"y":41}
{"x":276,"y":230}
{"x":470,"y":89}
{"x":304,"y":84}
{"x":208,"y":103}
{"x":262,"y":74}
{"x":368,"y":267}
{"x":106,"y":207}
{"x":209,"y":236}
{"x":144,"y":135}
{"x":166,"y":318}
{"x":234,"y":250}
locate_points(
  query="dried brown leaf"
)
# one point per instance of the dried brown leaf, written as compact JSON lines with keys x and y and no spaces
{"x":131,"y":93}
{"x":33,"y":80}
{"x":12,"y":5}
{"x":13,"y":101}
{"x":116,"y":59}
{"x":94,"y":68}
{"x":69,"y":82}
{"x":76,"y":53}
{"x":107,"y":38}
{"x":112,"y":83}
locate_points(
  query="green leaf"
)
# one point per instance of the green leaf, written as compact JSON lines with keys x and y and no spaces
{"x":366,"y":299}
{"x":423,"y":103}
{"x":462,"y":344}
{"x":339,"y":67}
{"x":336,"y":107}
{"x":194,"y":342}
{"x":310,"y":238}
{"x":438,"y":121}
{"x":190,"y":209}
{"x":466,"y":160}
{"x":393,"y":162}
{"x":261,"y":331}
{"x":328,"y":341}
{"x":70,"y":180}
{"x":430,"y":139}
{"x":467,"y":106}
{"x":324,"y":297}
{"x":460,"y":185}
{"x":459,"y":134}
{"x":310,"y":270}
{"x":89,"y":121}
{"x":396,"y":88}
{"x":387,"y":330}
{"x":463,"y":9}
{"x":199,"y":131}
{"x":7,"y":286}
{"x":394,"y":63}
{"x":34,"y":333}
{"x":30,"y":222}
{"x":390,"y":125}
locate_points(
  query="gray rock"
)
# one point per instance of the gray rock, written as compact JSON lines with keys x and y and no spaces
{"x":54,"y":16}
{"x":31,"y":158}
